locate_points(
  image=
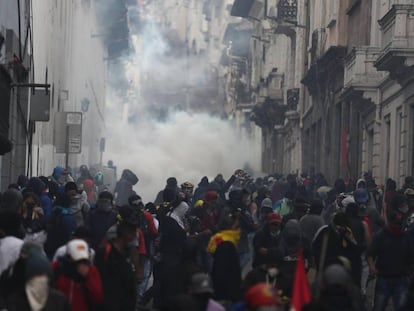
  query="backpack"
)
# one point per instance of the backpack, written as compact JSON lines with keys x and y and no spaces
{"x":55,"y":233}
{"x":143,"y":224}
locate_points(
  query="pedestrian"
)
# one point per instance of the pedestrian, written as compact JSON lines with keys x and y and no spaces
{"x":312,"y":221}
{"x":123,"y":189}
{"x":36,"y":294}
{"x":13,"y":278}
{"x":116,"y":271}
{"x":291,"y":243}
{"x":101,"y":218}
{"x":334,"y":240}
{"x":33,"y":219}
{"x":39,"y":188}
{"x":61,"y":226}
{"x":336,"y":291}
{"x":10,"y":223}
{"x":226,"y":270}
{"x":78,"y":207}
{"x":267,"y":240}
{"x":77,"y":277}
{"x":390,"y":258}
{"x":148,"y":233}
{"x":171,"y":184}
{"x":285,"y":206}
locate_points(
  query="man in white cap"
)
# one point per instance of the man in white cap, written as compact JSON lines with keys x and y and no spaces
{"x":77,"y":278}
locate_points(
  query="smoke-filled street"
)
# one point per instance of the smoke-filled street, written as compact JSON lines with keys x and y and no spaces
{"x":206,"y":155}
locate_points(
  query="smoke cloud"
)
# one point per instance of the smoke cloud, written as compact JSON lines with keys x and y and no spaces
{"x":183,"y":144}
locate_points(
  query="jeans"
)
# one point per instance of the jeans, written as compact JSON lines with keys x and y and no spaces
{"x":385,"y":288}
{"x":142,"y":287}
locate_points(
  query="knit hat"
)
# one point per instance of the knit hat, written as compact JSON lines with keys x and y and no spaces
{"x":260,"y":295}
{"x":106,"y":195}
{"x":37,"y":264}
{"x":169,"y":194}
{"x":266,"y":203}
{"x":77,"y":250}
{"x":211,"y":196}
{"x":37,"y":185}
{"x":274,"y":218}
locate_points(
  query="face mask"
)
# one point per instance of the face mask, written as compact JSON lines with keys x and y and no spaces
{"x":37,"y":290}
{"x":274,"y":233}
{"x":272,"y":272}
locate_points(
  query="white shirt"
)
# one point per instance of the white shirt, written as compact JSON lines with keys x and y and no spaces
{"x":9,"y":252}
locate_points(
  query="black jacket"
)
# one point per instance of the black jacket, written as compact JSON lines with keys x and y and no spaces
{"x":263,"y":239}
{"x":56,"y":301}
{"x":118,"y":280}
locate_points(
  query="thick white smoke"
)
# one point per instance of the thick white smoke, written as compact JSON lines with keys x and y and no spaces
{"x":185,"y":145}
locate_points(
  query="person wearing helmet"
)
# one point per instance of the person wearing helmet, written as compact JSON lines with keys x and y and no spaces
{"x":336,"y":291}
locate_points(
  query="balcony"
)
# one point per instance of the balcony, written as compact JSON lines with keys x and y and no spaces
{"x":360,"y":74}
{"x":397,"y":46}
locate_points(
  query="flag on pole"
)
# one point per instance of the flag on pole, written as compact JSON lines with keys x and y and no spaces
{"x":301,"y":294}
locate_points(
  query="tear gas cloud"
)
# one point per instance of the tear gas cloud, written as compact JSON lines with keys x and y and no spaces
{"x":185,"y":145}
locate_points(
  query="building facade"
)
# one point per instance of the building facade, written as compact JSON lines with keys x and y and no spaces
{"x":15,"y":63}
{"x":70,"y":54}
{"x":343,"y":74}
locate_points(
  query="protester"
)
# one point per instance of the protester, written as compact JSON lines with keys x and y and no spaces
{"x":390,"y":258}
{"x":119,"y":284}
{"x":266,"y":242}
{"x":77,"y":277}
{"x":35,"y":293}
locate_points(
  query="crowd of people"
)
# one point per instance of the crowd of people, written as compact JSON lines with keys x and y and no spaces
{"x":68,"y":243}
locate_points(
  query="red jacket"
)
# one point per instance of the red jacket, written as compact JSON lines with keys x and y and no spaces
{"x":76,"y":291}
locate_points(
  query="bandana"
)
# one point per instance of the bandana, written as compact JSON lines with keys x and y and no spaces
{"x":37,"y":292}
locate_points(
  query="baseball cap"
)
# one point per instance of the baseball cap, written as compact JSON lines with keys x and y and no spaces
{"x":274,"y":218}
{"x":77,"y":250}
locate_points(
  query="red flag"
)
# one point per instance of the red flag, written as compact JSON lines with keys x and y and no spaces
{"x":301,"y":294}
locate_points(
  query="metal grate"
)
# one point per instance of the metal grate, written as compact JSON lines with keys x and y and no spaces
{"x":287,"y":9}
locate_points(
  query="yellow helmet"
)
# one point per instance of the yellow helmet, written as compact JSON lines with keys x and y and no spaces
{"x":199,"y":203}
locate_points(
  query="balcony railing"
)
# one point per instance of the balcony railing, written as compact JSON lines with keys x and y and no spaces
{"x":359,"y":66}
{"x":397,"y":44}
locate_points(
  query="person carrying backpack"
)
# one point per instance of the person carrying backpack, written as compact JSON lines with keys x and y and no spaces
{"x":102,"y":218}
{"x":61,"y":225}
{"x":115,"y":268}
{"x":149,"y":233}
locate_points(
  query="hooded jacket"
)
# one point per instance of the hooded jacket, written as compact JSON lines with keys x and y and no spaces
{"x":82,"y":293}
{"x":101,"y":218}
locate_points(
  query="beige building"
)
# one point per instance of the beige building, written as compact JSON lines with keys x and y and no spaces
{"x":69,"y":54}
{"x":274,"y":67}
{"x":358,"y":112}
